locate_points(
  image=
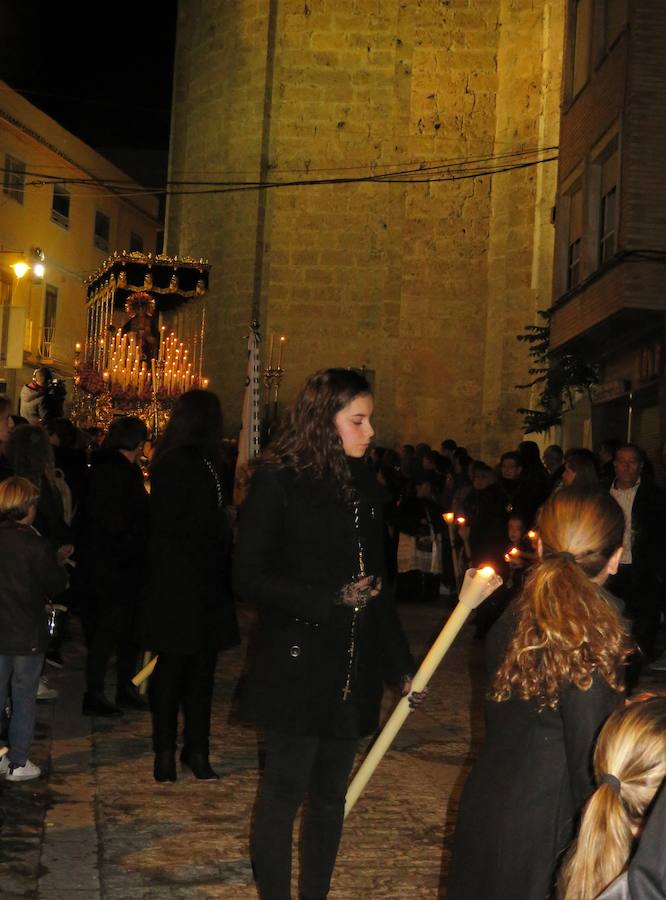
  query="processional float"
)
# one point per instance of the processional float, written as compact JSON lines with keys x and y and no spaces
{"x":144,"y":343}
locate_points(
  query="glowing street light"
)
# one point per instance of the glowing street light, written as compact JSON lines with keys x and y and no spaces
{"x":20,"y":268}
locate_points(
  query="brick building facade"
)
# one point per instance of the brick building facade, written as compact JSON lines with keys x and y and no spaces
{"x":425,"y":284}
{"x":609,"y":273}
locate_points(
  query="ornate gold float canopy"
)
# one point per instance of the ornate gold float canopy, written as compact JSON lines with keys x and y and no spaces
{"x":172,"y":279}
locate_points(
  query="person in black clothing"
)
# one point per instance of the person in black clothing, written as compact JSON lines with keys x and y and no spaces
{"x":638,"y":579}
{"x":311,"y":557}
{"x":189,"y":614}
{"x":113,"y":547}
{"x":29,"y":574}
{"x":555,"y":660}
{"x":29,"y":454}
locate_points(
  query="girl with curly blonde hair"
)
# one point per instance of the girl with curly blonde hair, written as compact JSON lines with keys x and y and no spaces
{"x":556,"y":660}
{"x":629,"y":767}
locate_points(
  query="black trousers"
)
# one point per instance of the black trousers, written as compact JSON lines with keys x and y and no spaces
{"x":109,"y":628}
{"x":298,"y":768}
{"x":638,"y":590}
{"x":182,"y":680}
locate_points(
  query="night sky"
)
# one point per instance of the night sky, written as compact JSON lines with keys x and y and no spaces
{"x":103,"y":71}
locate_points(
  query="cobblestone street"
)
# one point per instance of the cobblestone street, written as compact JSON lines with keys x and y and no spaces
{"x":97,"y":825}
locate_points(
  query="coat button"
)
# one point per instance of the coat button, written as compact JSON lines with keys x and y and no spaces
{"x":295,"y":651}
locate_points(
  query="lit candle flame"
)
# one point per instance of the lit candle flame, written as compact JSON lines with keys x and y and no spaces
{"x":486,"y":572}
{"x":461,"y":520}
{"x":448,"y":517}
{"x":532,"y":535}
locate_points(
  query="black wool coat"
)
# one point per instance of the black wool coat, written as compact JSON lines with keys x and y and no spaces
{"x":29,"y":577}
{"x":114,"y":530}
{"x":188,"y":601}
{"x":520,"y":805}
{"x":297,"y":547}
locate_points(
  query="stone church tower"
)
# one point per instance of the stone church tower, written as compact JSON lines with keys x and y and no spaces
{"x":425,"y":283}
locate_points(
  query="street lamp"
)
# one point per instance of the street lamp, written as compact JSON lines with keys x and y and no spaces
{"x":20,"y":268}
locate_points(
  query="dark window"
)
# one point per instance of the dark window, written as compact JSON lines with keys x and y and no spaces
{"x":607,"y":242}
{"x":102,"y":230}
{"x":136,"y":243}
{"x":575,"y":239}
{"x":608,"y":207}
{"x":60,"y":206}
{"x":580,"y":51}
{"x":49,"y":321}
{"x":14,"y":181}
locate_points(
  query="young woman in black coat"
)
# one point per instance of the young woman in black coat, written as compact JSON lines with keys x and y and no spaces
{"x":114,"y":535}
{"x":311,"y":556}
{"x":190,"y":614}
{"x":556,"y":658}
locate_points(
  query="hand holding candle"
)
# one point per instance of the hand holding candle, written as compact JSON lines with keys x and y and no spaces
{"x":478,"y":584}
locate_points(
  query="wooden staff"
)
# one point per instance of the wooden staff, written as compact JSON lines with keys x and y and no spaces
{"x":477,"y":585}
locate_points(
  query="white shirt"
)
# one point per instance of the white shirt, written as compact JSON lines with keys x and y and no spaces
{"x":626,"y":499}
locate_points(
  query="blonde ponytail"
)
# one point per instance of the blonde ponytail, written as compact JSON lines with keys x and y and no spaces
{"x":629,"y":765}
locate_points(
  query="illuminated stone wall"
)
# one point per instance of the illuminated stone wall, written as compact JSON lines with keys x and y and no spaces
{"x":426,"y":284}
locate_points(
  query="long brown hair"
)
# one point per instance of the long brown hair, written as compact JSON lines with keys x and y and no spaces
{"x":631,"y":749}
{"x":30,"y":454}
{"x":308,"y":439}
{"x":566,"y":630}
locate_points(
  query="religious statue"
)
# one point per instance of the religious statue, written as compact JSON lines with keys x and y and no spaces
{"x":140,"y":307}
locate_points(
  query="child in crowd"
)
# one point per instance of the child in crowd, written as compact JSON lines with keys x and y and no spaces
{"x":29,"y":574}
{"x":629,"y":767}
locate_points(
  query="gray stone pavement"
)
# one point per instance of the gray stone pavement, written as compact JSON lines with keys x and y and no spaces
{"x":97,"y":826}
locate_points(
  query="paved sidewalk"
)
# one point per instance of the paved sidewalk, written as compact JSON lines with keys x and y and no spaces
{"x":97,"y":826}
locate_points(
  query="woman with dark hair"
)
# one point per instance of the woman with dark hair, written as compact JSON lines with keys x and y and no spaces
{"x":556,"y":658}
{"x":311,"y":556}
{"x":580,"y":467}
{"x":114,"y":532}
{"x":29,"y":454}
{"x":190,"y":614}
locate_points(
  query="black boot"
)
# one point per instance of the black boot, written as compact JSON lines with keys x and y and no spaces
{"x":197,"y":762}
{"x":95,"y":704}
{"x":165,"y":766}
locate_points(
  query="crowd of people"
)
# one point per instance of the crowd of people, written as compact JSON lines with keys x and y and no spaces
{"x":333,"y":530}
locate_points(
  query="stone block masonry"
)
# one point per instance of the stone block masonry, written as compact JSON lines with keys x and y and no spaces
{"x":427,"y":283}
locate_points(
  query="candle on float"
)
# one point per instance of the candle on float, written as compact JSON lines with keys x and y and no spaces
{"x":281,"y":353}
{"x":153,"y":368}
{"x":77,"y":347}
{"x":205,"y":384}
{"x":270,"y":351}
{"x":105,"y":378}
{"x":477,"y":585}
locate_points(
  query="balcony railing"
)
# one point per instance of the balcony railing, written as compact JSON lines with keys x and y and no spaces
{"x":46,"y":339}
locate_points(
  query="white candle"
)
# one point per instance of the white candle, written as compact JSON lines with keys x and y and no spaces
{"x":478,"y":584}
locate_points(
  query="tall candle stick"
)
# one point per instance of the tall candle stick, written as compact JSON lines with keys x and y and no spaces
{"x":282,"y":340}
{"x":478,"y":584}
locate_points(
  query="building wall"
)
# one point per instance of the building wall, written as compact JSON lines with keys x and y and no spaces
{"x":45,"y":147}
{"x":424,"y":284}
{"x":617,"y":310}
